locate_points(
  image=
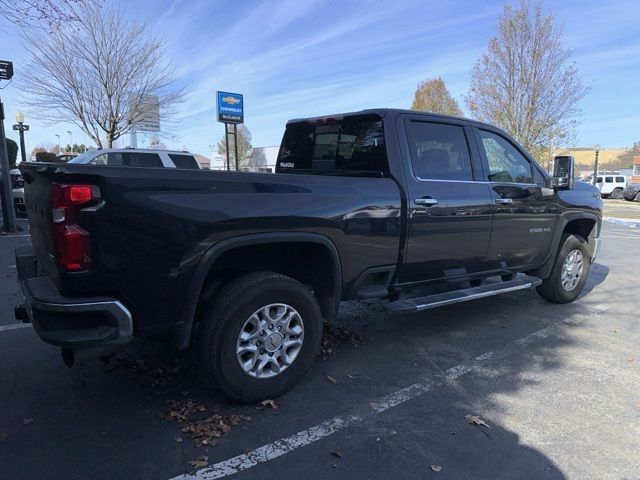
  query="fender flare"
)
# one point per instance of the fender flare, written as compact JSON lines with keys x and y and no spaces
{"x":182,"y":330}
{"x":544,"y":271}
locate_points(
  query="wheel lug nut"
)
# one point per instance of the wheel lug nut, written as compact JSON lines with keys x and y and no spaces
{"x":270,"y":327}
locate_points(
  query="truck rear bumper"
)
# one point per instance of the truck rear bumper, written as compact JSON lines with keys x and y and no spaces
{"x":70,"y":322}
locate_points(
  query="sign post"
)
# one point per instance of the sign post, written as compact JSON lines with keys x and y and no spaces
{"x":230,"y":108}
{"x":8,"y":210}
{"x":147,"y":113}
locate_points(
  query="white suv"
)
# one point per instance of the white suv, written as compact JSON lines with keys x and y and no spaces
{"x":611,"y":185}
{"x":131,"y":157}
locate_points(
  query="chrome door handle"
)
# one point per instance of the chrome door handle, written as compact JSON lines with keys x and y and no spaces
{"x":425,"y":201}
{"x":504,"y":201}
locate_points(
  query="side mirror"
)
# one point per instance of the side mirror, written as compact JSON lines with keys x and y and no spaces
{"x":563,"y":173}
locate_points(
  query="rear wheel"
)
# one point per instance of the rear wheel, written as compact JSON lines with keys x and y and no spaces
{"x":259,"y":337}
{"x":637,"y":199}
{"x":569,"y":273}
{"x":617,"y":193}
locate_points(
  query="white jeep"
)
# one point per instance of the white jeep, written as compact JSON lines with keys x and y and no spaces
{"x":611,"y":185}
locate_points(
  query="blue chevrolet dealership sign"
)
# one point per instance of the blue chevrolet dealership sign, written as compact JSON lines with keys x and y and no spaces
{"x":230,"y":107}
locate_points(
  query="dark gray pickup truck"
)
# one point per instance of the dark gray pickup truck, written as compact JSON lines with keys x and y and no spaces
{"x":245,"y":267}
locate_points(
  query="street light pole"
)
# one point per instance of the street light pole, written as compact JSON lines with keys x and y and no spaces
{"x":70,"y":141}
{"x":20,"y":127}
{"x":595,"y":165}
{"x":8,"y":210}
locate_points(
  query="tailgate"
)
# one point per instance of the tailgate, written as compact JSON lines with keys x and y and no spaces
{"x":37,"y":192}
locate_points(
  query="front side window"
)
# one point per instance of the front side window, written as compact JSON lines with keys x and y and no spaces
{"x":350,"y":144}
{"x":599,"y":180}
{"x":506,"y":164}
{"x":439,"y":152}
{"x":100,"y":160}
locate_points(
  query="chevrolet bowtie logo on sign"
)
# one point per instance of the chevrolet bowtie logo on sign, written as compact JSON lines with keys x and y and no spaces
{"x":230,"y":107}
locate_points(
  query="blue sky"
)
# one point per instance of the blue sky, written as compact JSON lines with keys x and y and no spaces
{"x":295,"y":58}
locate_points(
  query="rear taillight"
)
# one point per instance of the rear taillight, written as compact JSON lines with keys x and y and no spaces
{"x":71,"y":242}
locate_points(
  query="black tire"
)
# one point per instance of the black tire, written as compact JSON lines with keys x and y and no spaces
{"x":604,"y":195}
{"x":551,"y":288}
{"x":629,"y":199}
{"x":617,"y":194}
{"x":221,"y":323}
{"x":637,"y":199}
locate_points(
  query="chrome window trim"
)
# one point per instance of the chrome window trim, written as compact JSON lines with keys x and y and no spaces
{"x":476,"y":181}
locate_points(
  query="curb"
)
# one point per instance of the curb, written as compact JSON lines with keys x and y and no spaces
{"x":629,"y":222}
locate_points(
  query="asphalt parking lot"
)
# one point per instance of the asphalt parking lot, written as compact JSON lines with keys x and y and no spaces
{"x":558,"y":387}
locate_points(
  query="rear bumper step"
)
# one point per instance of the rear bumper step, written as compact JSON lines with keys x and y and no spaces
{"x":408,"y":305}
{"x":70,"y":321}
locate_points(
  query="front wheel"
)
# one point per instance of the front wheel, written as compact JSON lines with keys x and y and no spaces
{"x":569,"y":272}
{"x":260,"y":336}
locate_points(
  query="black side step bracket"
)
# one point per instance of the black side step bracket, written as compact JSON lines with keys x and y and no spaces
{"x":408,"y":305}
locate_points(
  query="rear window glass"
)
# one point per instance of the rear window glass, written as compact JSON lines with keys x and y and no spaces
{"x":184,"y":161}
{"x":353,"y":144}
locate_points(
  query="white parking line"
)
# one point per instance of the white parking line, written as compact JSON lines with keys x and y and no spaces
{"x":14,"y":326}
{"x":329,"y":427}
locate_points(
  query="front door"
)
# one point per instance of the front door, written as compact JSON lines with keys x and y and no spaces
{"x":524,"y":211}
{"x":449,"y":207}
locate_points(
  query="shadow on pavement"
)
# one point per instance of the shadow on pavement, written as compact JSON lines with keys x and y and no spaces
{"x":112,"y":418}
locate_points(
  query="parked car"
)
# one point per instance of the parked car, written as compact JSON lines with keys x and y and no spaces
{"x":130,"y":157}
{"x":631,"y":192}
{"x":611,"y":185}
{"x":17,"y":189}
{"x":244,"y":267}
{"x":66,"y":157}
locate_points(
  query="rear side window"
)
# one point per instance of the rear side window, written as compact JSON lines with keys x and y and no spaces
{"x":506,"y":164}
{"x":139,"y":159}
{"x":184,"y":161}
{"x":608,"y":179}
{"x":127,"y":159}
{"x":354,"y":144}
{"x":439,"y":152}
{"x":620,"y":180}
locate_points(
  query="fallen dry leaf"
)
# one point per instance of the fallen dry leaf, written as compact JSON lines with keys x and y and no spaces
{"x":27,"y":421}
{"x":331,"y":379}
{"x":202,"y":461}
{"x":269,"y":403}
{"x":475,"y":420}
{"x":436,"y":468}
{"x":336,"y":454}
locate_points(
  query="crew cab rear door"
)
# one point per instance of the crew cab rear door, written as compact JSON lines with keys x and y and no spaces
{"x":449,"y":206}
{"x":525,"y":212}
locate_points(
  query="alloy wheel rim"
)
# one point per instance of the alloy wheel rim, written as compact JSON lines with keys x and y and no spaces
{"x":270,"y":340}
{"x":572,"y":270}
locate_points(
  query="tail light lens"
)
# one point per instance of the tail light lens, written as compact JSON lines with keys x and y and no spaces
{"x":71,"y":242}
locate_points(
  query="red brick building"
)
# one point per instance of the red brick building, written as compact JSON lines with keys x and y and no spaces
{"x":635,"y":176}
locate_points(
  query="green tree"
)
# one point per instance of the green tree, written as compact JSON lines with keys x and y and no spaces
{"x":432,"y":95}
{"x":524,"y":81}
{"x":244,"y":147}
{"x":12,"y":151}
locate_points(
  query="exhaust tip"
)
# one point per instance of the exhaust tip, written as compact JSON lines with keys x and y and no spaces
{"x":68,"y":357}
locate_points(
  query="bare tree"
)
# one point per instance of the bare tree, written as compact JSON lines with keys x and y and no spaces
{"x":99,"y":77}
{"x":432,"y":95}
{"x":53,"y":13}
{"x":244,"y":146}
{"x":525,"y":83}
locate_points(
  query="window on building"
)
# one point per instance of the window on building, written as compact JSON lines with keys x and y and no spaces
{"x":439,"y":152}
